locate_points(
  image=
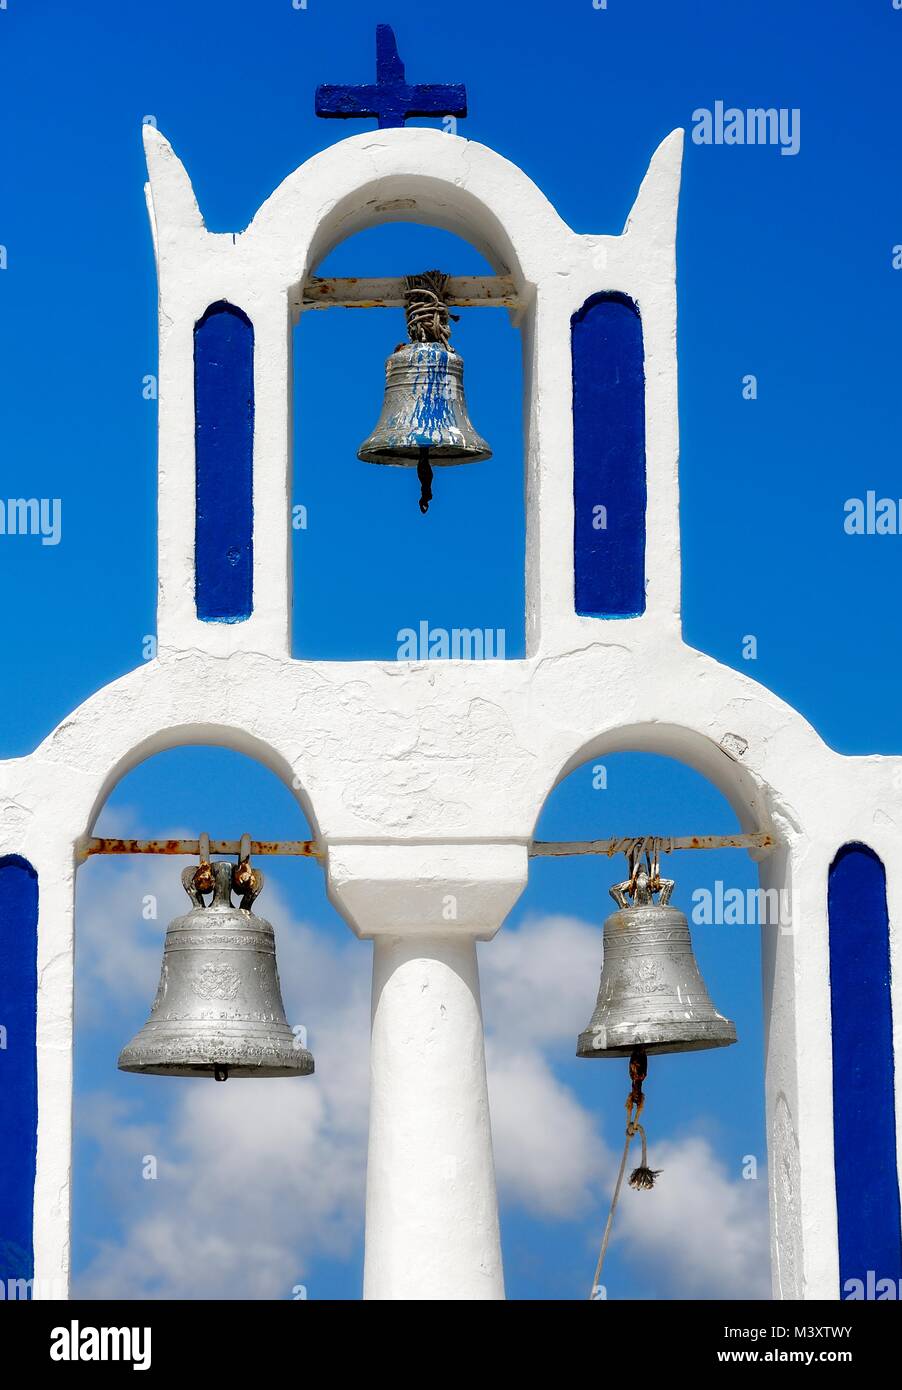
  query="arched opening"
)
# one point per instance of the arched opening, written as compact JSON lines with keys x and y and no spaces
{"x":401,"y":585}
{"x":558,"y":1120}
{"x":183,"y":1188}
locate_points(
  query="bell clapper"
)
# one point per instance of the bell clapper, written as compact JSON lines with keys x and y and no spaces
{"x":642,"y":1179}
{"x":424,"y":473}
{"x":638,"y":1073}
{"x":220,"y":1073}
{"x":428,"y":321}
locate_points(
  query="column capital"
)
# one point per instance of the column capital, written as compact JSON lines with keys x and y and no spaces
{"x":396,"y":890}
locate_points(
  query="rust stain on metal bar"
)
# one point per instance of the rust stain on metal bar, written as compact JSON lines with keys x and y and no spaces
{"x":666,"y":844}
{"x":308,"y":849}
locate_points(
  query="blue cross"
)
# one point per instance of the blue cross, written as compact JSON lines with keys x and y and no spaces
{"x":391,"y":98}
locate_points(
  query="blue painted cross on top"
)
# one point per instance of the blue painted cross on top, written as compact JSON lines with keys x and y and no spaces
{"x":391,"y":98}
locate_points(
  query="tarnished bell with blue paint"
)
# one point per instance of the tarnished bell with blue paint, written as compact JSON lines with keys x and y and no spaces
{"x":424,"y":410}
{"x":218,"y":1010}
{"x":651,"y":995}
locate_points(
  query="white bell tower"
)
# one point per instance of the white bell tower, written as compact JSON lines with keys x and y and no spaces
{"x":423,"y":814}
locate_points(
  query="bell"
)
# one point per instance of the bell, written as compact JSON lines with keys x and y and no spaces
{"x":651,"y":995}
{"x":218,"y":1010}
{"x":424,"y":418}
{"x":424,"y":411}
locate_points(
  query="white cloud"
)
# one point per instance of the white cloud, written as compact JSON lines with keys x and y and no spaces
{"x":118,"y":949}
{"x":539,"y":983}
{"x":548,"y":1152}
{"x":256,"y":1179}
{"x":700,"y":1231}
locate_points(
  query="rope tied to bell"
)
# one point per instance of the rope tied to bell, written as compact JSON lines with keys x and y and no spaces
{"x":642,"y":1179}
{"x":428,"y":321}
{"x":427,"y":313}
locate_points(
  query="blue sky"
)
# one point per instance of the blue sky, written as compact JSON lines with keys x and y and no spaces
{"x":785,"y":271}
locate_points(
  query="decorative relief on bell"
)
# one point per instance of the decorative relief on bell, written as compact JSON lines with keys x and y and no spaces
{"x":644,"y":977}
{"x":216,"y":982}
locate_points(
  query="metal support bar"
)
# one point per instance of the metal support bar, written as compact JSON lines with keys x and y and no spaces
{"x":309,"y":849}
{"x":465,"y":291}
{"x":666,"y":844}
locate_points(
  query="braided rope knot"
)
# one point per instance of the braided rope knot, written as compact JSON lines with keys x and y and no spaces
{"x":428,"y":316}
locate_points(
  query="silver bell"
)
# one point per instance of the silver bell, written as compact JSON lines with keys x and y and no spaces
{"x":424,"y":410}
{"x":218,"y":1010}
{"x":651,"y":995}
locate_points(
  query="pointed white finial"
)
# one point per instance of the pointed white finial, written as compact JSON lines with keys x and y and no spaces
{"x":170,"y":195}
{"x":654,"y":213}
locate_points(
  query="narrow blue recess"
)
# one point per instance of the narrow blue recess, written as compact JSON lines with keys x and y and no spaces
{"x":18,"y":1066}
{"x":224,"y":460}
{"x":609,"y":487}
{"x":864,"y":1126}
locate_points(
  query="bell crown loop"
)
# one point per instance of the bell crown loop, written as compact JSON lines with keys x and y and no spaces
{"x":644,"y":881}
{"x":224,"y":885}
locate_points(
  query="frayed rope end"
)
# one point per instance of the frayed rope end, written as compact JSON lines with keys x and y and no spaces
{"x":643,"y":1179}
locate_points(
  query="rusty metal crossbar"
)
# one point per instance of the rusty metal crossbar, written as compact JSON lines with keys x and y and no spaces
{"x":359,"y":292}
{"x":666,"y":844}
{"x":310,"y":849}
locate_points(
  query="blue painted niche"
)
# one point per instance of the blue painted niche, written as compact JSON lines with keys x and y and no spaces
{"x":18,"y":1065}
{"x":224,"y":463}
{"x":608,"y":458}
{"x":864,"y":1125}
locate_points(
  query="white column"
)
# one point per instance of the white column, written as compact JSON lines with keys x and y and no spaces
{"x":431,"y":1206}
{"x":431,"y":1209}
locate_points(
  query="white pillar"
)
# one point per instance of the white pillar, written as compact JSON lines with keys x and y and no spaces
{"x":431,"y":1207}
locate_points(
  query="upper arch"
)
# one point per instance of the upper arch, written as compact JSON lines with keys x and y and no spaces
{"x":210,"y":735}
{"x":753,"y":800}
{"x":411,"y":175}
